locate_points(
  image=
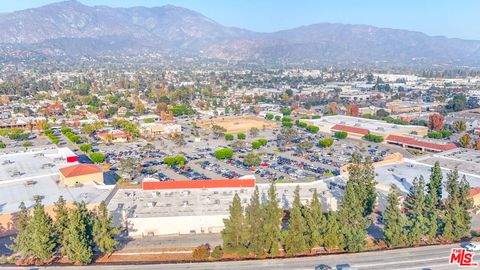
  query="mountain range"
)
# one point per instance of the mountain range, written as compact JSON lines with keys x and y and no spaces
{"x":69,"y":28}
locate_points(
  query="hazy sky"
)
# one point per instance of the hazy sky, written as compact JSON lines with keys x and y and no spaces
{"x":452,"y":18}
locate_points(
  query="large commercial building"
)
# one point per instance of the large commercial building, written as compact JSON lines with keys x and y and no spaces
{"x":358,"y":127}
{"x":198,"y":206}
{"x":25,"y":174}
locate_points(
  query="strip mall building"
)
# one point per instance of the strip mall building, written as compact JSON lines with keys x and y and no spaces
{"x":406,"y":136}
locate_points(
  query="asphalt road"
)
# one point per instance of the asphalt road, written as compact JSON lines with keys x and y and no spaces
{"x":434,"y":257}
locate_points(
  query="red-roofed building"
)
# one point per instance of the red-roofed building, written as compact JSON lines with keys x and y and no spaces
{"x":418,"y":143}
{"x":80,"y":174}
{"x":350,"y":130}
{"x":188,"y":184}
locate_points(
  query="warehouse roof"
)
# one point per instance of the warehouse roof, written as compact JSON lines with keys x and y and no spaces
{"x":402,"y":174}
{"x":79,"y":169}
{"x":373,"y":126}
{"x":140,"y":203}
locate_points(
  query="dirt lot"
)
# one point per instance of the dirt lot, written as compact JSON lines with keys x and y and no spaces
{"x":235,"y":124}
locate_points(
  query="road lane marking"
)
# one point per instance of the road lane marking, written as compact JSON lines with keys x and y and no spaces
{"x":428,"y":266}
{"x":399,"y":262}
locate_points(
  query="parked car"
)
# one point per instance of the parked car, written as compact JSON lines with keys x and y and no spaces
{"x":345,"y":266}
{"x":323,"y":267}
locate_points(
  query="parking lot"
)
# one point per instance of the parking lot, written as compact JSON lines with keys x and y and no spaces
{"x":279,"y":162}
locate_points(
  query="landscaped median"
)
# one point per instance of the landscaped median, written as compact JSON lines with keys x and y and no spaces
{"x":96,"y":157}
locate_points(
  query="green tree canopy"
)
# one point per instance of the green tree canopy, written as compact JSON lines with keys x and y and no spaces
{"x":104,"y":231}
{"x":254,"y":217}
{"x":394,"y":232}
{"x":415,"y":203}
{"x":224,"y":153}
{"x":295,"y":236}
{"x":352,"y":221}
{"x":327,"y":142}
{"x":97,"y":157}
{"x":234,"y":234}
{"x":271,"y":225}
{"x":79,"y":244}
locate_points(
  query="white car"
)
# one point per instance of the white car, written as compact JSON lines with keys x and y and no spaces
{"x":474,"y":246}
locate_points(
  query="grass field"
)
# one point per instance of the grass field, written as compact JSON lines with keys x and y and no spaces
{"x":235,"y":124}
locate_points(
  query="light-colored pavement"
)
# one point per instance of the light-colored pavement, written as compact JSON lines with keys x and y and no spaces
{"x":434,"y":257}
{"x":168,"y":241}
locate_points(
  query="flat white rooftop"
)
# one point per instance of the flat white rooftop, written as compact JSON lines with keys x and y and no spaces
{"x":35,"y":172}
{"x":466,"y":160}
{"x":402,"y":174}
{"x":48,"y":188}
{"x":30,"y":164}
{"x":137,"y":203}
{"x":375,"y":126}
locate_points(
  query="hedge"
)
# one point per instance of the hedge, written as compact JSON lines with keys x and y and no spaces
{"x":373,"y":138}
{"x":341,"y":134}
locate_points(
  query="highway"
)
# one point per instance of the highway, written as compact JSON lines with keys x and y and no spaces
{"x":433,"y":257}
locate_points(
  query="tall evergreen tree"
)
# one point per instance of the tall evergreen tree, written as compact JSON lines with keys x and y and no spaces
{"x":362,"y":177}
{"x":435,"y":185}
{"x":79,"y":244}
{"x":61,"y":222}
{"x":466,"y":204}
{"x":416,"y":207}
{"x":21,"y":243}
{"x":352,"y":221}
{"x":271,"y":226}
{"x":254,"y":219}
{"x":104,"y":231}
{"x":333,"y":237}
{"x":42,"y":237}
{"x":368,"y":174}
{"x":433,"y":201}
{"x":394,"y":231}
{"x":295,"y":236}
{"x":456,"y":217}
{"x":433,"y":217}
{"x":315,"y":222}
{"x":234,"y":234}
